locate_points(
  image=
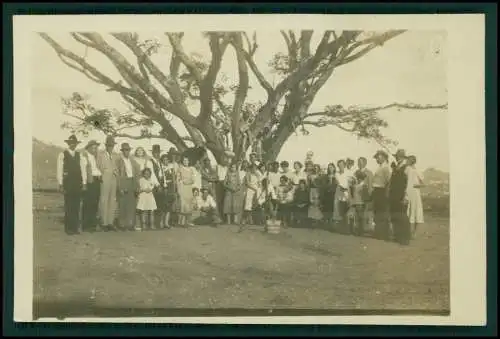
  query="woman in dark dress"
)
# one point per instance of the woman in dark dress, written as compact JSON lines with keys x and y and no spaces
{"x":301,"y":202}
{"x":398,"y":200}
{"x":168,"y":168}
{"x":329,"y":186}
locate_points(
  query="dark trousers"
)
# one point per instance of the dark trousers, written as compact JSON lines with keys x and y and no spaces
{"x":72,"y":200}
{"x":219,"y":196}
{"x":381,"y":213}
{"x":360,"y":219}
{"x":400,"y":222}
{"x":127,"y":203}
{"x":90,"y":205}
{"x":160,"y":206}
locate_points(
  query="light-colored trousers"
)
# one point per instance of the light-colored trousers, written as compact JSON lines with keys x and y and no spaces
{"x":107,"y":200}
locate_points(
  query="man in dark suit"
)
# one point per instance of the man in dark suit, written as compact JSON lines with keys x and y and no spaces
{"x":158,"y":174}
{"x":398,"y":200}
{"x":72,"y":179}
{"x":128,"y":173}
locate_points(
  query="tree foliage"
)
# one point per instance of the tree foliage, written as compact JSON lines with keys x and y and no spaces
{"x":226,"y":119}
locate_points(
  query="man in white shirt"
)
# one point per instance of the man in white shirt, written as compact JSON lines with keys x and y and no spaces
{"x":157,"y":179}
{"x":91,"y":195}
{"x":221,"y":170}
{"x":72,"y":179}
{"x":128,"y":175}
{"x":274,"y":175}
{"x":208,"y":209}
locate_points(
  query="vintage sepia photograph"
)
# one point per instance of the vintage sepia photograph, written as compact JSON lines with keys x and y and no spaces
{"x":267,"y":171}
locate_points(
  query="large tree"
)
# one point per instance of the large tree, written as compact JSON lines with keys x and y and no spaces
{"x":224,"y":118}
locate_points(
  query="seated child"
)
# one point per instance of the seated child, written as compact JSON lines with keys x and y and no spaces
{"x":284,"y":194}
{"x":195,"y":214}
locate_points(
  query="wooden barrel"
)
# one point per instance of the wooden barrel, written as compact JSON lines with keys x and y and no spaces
{"x":273,"y":227}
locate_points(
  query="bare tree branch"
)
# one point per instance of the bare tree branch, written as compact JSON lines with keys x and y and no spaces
{"x":175,"y":42}
{"x":217,"y":48}
{"x":242,"y":91}
{"x":342,"y":111}
{"x":253,"y":66}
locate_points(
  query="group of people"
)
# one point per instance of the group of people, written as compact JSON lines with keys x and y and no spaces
{"x":139,"y":192}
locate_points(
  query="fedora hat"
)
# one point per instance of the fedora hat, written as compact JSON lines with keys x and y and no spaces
{"x":156,"y":148}
{"x":72,"y":140}
{"x":382,"y":153}
{"x":92,"y":143}
{"x":401,"y":153}
{"x":110,"y":141}
{"x":125,"y":147}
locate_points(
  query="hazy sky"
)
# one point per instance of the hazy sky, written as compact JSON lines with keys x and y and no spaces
{"x":412,"y":67}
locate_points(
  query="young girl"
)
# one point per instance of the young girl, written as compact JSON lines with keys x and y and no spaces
{"x":357,"y":203}
{"x":169,"y":190}
{"x":284,"y":194}
{"x":314,"y":212}
{"x":146,"y":203}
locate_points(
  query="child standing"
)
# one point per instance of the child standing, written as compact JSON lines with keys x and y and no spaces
{"x":358,"y":203}
{"x":146,"y":203}
{"x":284,"y":194}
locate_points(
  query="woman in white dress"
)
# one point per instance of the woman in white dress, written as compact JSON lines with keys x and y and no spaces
{"x":143,"y":160}
{"x":342,"y":194}
{"x":252,"y":183}
{"x":415,"y":182}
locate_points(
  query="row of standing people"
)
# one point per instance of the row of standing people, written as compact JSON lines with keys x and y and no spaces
{"x":163,"y":186}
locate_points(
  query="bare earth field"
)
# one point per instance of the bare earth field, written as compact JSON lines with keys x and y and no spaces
{"x":218,"y":268}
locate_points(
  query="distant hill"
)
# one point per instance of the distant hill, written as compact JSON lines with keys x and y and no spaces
{"x":44,"y":162}
{"x":435,"y":175}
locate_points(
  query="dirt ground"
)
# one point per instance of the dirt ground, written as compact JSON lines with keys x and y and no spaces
{"x":205,"y":267}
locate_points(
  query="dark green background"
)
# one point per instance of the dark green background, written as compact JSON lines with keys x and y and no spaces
{"x":10,"y":328}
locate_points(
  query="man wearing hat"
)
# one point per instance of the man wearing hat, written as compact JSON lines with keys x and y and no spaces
{"x":128,"y":173}
{"x":380,"y":185}
{"x":158,"y":176}
{"x":398,"y":200}
{"x":91,"y":195}
{"x":72,"y":179}
{"x":107,"y":164}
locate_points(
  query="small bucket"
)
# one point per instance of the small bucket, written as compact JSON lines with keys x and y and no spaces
{"x":273,"y":227}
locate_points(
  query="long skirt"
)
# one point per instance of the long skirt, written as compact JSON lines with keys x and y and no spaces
{"x":250,"y":196}
{"x":233,"y":203}
{"x":340,"y":205}
{"x":415,"y":208}
{"x":314,"y":211}
{"x":185,"y":199}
